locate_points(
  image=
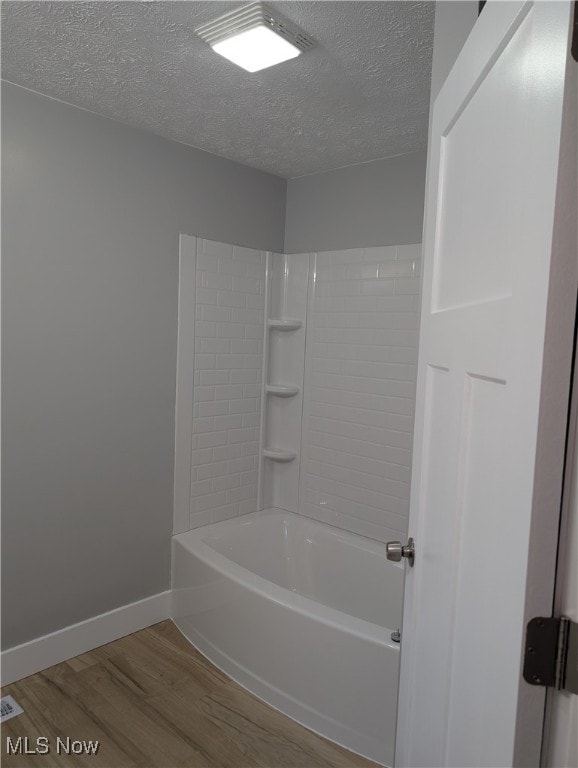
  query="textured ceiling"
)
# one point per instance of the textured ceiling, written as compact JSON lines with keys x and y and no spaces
{"x":362,"y":93}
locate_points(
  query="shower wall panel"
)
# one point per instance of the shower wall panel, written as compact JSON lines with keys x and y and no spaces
{"x":361,"y":365}
{"x":228,"y":360}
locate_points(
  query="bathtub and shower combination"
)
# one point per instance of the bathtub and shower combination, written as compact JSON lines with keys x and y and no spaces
{"x":301,"y":614}
{"x":297,"y":602}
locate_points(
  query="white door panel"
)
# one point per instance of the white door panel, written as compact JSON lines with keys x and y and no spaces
{"x":492,"y":180}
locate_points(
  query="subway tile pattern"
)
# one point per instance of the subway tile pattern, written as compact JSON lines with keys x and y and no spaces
{"x":229,"y":324}
{"x":361,"y":367}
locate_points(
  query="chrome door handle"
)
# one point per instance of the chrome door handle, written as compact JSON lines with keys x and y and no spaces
{"x":395,"y":550}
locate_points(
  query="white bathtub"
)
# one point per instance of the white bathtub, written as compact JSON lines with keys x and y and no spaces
{"x":301,"y":614}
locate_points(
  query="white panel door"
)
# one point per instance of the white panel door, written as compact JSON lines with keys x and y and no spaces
{"x":497,"y":318}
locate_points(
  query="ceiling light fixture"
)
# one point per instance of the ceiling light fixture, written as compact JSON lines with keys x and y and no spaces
{"x":253,"y":38}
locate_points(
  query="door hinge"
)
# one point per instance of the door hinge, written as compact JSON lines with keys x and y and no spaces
{"x":551,"y":653}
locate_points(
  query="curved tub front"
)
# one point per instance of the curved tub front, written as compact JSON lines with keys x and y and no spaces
{"x":300,"y":614}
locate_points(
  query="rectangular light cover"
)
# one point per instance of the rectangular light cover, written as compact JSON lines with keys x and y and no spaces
{"x":254,"y":37}
{"x":256,"y":49}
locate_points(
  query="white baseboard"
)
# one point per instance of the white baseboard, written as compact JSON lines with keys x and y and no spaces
{"x":45,"y":651}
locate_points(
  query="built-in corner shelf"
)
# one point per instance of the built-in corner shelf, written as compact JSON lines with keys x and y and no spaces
{"x":282,"y":390}
{"x":284,"y":324}
{"x":276,"y":454}
{"x":283,"y":376}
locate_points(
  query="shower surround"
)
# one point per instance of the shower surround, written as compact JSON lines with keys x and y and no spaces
{"x":295,"y":400}
{"x":314,"y":417}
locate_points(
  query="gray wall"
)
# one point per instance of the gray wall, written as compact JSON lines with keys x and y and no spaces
{"x":378,"y":203}
{"x":92,"y":210}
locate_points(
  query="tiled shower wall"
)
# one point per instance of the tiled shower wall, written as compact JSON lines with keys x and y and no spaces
{"x":359,"y":389}
{"x":361,"y":366}
{"x":228,"y":358}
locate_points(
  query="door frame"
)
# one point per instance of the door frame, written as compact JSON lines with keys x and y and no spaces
{"x":568,"y":189}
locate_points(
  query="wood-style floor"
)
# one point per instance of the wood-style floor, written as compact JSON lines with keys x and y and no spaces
{"x":151,"y":699}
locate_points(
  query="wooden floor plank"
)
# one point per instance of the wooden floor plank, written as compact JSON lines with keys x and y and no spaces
{"x":215,"y":744}
{"x":153,"y":701}
{"x":272,"y":735}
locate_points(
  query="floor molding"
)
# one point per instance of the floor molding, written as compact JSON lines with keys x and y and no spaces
{"x":45,"y":651}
